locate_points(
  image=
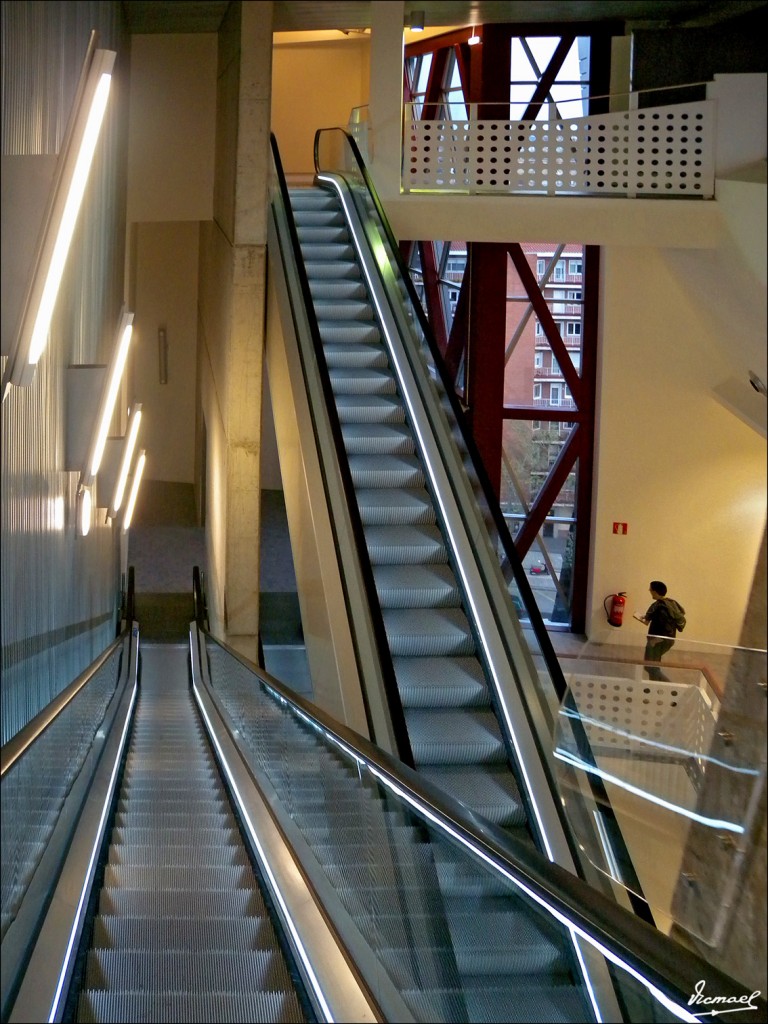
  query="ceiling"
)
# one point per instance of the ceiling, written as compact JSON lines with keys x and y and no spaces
{"x":180,"y":16}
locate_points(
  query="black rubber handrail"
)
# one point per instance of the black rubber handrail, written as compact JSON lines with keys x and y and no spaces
{"x":623,"y":858}
{"x":394,"y":702}
{"x":669,"y":966}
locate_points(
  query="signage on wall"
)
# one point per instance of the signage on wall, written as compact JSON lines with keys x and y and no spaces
{"x":620,"y":528}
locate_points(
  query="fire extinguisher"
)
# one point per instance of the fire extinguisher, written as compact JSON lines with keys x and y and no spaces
{"x":616,"y":613}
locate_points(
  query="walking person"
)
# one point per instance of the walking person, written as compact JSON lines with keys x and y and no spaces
{"x":664,"y":618}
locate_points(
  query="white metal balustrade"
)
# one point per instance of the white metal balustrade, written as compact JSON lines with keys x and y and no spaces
{"x":660,"y":151}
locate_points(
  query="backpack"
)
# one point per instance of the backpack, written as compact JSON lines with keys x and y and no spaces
{"x":676,"y":613}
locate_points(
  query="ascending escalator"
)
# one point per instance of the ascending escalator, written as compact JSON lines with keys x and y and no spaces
{"x":181,"y":930}
{"x":452,"y":725}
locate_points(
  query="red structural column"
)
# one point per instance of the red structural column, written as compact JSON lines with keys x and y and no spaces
{"x":485,"y":352}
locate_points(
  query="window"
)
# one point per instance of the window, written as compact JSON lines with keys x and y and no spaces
{"x":539,"y":330}
{"x":559,"y":274}
{"x":574,"y":268}
{"x":541,"y":266}
{"x":574,"y":296}
{"x":573,"y":329}
{"x":537,"y":392}
{"x":555,"y":394}
{"x":538,"y":359}
{"x":536,"y":424}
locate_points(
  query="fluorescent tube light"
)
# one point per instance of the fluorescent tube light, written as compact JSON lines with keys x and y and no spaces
{"x":72,"y":170}
{"x":134,"y":489}
{"x":125,"y":463}
{"x":109,"y":395}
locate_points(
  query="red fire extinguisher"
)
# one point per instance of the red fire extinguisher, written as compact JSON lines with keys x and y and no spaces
{"x":616,"y":612}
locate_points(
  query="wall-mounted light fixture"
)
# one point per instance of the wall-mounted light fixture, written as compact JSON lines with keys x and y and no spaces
{"x":65,"y":198}
{"x":134,"y":491}
{"x":129,"y":446}
{"x":106,"y":410}
{"x":474,"y":39}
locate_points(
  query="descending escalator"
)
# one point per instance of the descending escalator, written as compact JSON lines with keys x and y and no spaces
{"x":452,"y":726}
{"x":181,"y":929}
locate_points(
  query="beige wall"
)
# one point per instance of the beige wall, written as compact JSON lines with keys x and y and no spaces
{"x":172,"y":127}
{"x":166,"y":297}
{"x":686,"y":475}
{"x":315,"y":84}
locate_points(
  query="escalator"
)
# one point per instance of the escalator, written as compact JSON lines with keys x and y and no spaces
{"x":452,"y":726}
{"x":181,"y":929}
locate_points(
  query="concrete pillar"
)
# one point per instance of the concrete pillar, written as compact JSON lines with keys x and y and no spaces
{"x":385,"y":107}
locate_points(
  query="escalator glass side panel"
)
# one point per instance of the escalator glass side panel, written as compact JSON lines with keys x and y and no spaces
{"x":460,"y":938}
{"x":34,"y":788}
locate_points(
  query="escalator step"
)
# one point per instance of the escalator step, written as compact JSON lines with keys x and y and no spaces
{"x":331,"y":288}
{"x":385,"y":507}
{"x":132,"y":855}
{"x":428,"y":632}
{"x":550,"y":999}
{"x":405,"y":545}
{"x":362,"y":382}
{"x":492,"y":793}
{"x":220,"y":933}
{"x":191,"y":878}
{"x":354,"y":356}
{"x":331,"y":251}
{"x":320,"y":218}
{"x":177,"y":835}
{"x":441,"y":682}
{"x":416,"y":586}
{"x":322,"y":234}
{"x":381,"y":471}
{"x":230,"y":1007}
{"x":332,"y":270}
{"x":189,"y":904}
{"x":370,"y":409}
{"x":346,"y":309}
{"x":377,"y":439}
{"x":340,"y":332}
{"x":466,"y":737}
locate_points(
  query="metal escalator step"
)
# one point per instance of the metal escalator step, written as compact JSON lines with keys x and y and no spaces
{"x":319,"y":217}
{"x":406,"y":545}
{"x":169,"y":817}
{"x":187,"y":970}
{"x":545,"y":999}
{"x":323,"y":288}
{"x":377,"y":439}
{"x":398,"y":471}
{"x":176,"y":835}
{"x":136,"y":856}
{"x":385,"y":507}
{"x":312,"y":198}
{"x":212,"y":933}
{"x":369,"y":409}
{"x":331,"y":251}
{"x":331,"y":270}
{"x":469,"y":737}
{"x":191,"y":878}
{"x":492,"y":792}
{"x":345,"y":309}
{"x":441,"y":682}
{"x":416,"y":586}
{"x":230,"y":1007}
{"x":503,"y":943}
{"x":179,"y":903}
{"x":321,"y":234}
{"x":362,"y":382}
{"x":344,"y":332}
{"x":353,"y":355}
{"x":428,"y":632}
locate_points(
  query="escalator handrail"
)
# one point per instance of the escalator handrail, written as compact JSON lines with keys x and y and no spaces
{"x":394,"y":703}
{"x":629,"y":876}
{"x":667,"y":966}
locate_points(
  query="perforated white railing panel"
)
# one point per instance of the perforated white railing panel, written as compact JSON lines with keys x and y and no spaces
{"x":663,"y":151}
